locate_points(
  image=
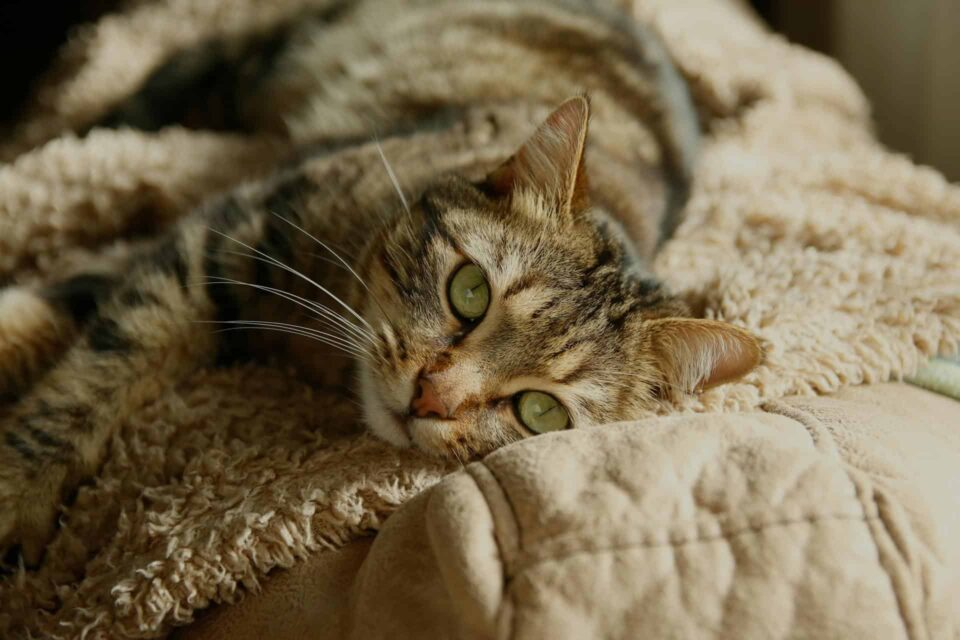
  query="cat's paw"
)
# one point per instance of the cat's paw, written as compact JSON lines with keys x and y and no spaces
{"x":29,"y":504}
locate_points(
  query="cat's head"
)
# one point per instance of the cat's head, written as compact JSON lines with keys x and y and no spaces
{"x":509,"y":308}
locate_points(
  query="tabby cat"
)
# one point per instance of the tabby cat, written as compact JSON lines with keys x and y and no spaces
{"x":509,"y":296}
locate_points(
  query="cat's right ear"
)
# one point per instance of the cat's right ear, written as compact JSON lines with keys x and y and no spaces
{"x":694,"y":355}
{"x":550,"y":164}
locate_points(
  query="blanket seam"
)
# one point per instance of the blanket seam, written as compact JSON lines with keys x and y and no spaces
{"x":723,"y":535}
{"x":808,"y":420}
{"x":884,"y":561}
{"x":506,"y":594}
{"x":821,"y":437}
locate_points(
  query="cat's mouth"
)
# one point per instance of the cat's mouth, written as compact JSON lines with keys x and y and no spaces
{"x":399,"y":425}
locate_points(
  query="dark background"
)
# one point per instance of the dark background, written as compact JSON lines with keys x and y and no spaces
{"x":30,"y":34}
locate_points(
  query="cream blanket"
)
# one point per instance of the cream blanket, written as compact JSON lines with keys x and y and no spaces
{"x":844,"y":257}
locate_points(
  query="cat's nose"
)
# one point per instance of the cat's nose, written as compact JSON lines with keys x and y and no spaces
{"x":427,"y":403}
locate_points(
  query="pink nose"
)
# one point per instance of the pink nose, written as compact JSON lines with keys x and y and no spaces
{"x":427,"y":403}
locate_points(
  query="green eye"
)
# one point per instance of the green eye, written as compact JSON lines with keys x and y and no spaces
{"x":469,"y":292}
{"x":540,"y":412}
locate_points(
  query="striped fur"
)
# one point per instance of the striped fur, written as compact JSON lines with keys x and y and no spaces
{"x":562,"y":219}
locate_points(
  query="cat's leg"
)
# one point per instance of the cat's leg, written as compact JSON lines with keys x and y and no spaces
{"x":219,"y":266}
{"x":38,"y":324}
{"x":137,"y":342}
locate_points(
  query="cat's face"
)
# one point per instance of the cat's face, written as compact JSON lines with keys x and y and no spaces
{"x":507,"y":309}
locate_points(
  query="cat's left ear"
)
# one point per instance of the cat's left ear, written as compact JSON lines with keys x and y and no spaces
{"x":698,"y":354}
{"x":550,"y":164}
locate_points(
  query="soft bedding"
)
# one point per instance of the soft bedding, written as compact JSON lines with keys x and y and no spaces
{"x":843,"y":256}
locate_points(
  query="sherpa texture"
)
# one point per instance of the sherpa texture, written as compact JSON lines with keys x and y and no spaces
{"x":844,"y":257}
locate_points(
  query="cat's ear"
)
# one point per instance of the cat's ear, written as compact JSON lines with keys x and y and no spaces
{"x":698,"y":354}
{"x":550,"y":164}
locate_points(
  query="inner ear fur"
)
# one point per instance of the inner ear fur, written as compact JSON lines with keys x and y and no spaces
{"x":694,"y":355}
{"x":550,"y":164}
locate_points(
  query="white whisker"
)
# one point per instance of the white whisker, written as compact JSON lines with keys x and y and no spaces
{"x":297,"y":330}
{"x":336,"y":255}
{"x":295,"y":333}
{"x":276,"y":262}
{"x":323,"y":312}
{"x":325,"y":246}
{"x":393,"y":177}
{"x":296,"y":327}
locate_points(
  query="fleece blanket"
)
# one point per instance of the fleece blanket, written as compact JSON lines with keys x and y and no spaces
{"x":843,"y":256}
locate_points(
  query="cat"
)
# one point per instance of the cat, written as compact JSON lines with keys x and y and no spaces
{"x":511,"y":294}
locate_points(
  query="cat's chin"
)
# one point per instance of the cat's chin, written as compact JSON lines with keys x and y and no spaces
{"x":381,"y":422}
{"x":384,"y":424}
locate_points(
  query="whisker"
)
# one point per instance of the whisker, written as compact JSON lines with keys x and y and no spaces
{"x":298,"y":274}
{"x":456,"y":455}
{"x":325,"y":246}
{"x":320,"y":340}
{"x":297,"y":330}
{"x":336,"y":255}
{"x":393,"y":177}
{"x":295,"y":333}
{"x":323,"y":312}
{"x":398,"y":246}
{"x":343,"y":339}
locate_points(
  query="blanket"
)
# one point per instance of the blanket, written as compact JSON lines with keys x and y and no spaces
{"x":842,"y":256}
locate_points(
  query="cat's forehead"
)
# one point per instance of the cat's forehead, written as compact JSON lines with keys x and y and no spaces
{"x":510,"y":245}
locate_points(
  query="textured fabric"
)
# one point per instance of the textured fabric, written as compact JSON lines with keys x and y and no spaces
{"x":819,"y":518}
{"x":843,"y":257}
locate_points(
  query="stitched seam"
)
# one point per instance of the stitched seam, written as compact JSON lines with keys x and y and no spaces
{"x":725,"y":526}
{"x":651,"y":544}
{"x":507,"y":592}
{"x":901,"y":605}
{"x":808,"y":420}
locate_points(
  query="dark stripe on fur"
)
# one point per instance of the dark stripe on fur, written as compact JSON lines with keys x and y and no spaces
{"x":434,"y":227}
{"x":58,"y":447}
{"x":287,"y":196}
{"x":576,"y":374}
{"x":221,"y":294}
{"x":105,"y":335}
{"x":204,"y":87}
{"x":80,"y":295}
{"x":546,"y":306}
{"x":219,"y":84}
{"x":276,"y":244}
{"x":224,"y":296}
{"x":169,"y":259}
{"x":20,"y":446}
{"x":389,"y":267}
{"x":133,"y":298}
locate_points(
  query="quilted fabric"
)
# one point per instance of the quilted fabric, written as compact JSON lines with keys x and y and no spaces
{"x":828,"y":518}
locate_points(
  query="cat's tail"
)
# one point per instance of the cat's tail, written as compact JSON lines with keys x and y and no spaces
{"x":676,"y":124}
{"x":680,"y":139}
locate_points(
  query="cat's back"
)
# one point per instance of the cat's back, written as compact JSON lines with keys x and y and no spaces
{"x":378,"y":67}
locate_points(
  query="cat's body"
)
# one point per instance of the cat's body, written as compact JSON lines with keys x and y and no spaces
{"x":571,"y":316}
